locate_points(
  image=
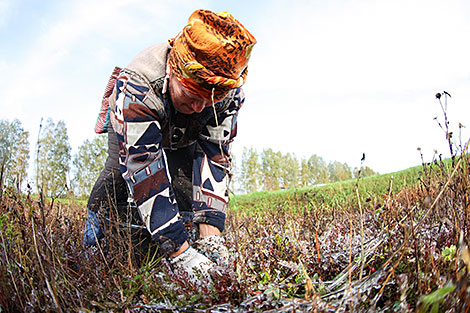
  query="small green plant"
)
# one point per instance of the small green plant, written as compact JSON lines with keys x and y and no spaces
{"x":435,"y":298}
{"x":448,"y":253}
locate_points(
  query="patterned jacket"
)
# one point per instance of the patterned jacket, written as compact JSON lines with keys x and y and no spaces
{"x":145,"y":122}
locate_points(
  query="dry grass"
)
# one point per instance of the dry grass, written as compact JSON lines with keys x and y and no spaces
{"x":393,"y":250}
{"x":414,"y":244}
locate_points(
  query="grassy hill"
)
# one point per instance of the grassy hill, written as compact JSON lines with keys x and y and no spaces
{"x":372,"y":188}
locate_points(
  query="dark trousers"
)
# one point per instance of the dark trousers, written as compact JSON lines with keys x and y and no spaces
{"x":109,"y":196}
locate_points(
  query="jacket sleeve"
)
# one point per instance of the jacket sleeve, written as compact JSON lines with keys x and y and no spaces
{"x":142,"y":160}
{"x":212,"y":163}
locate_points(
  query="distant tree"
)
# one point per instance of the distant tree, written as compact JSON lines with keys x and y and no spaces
{"x":235,"y":185}
{"x":366,"y":171}
{"x":250,"y":170}
{"x":304,"y":174}
{"x":318,"y":169}
{"x":53,"y":159}
{"x":339,"y":171}
{"x":313,"y":171}
{"x":88,"y":163}
{"x":290,"y":170}
{"x":271,"y":169}
{"x":277,"y":170}
{"x":14,"y":153}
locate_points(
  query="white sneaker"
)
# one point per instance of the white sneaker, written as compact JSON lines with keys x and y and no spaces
{"x":214,"y":248}
{"x":195,"y":264}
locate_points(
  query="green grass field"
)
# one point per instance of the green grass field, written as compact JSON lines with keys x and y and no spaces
{"x":339,"y":193}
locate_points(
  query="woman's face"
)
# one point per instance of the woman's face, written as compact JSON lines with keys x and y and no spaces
{"x":184,"y":101}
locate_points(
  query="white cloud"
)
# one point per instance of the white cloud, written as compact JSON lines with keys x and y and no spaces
{"x":341,"y":78}
{"x":365,"y":45}
{"x":44,"y":81}
{"x":62,"y":73}
{"x":334,"y":78}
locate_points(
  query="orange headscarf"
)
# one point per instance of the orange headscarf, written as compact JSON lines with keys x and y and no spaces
{"x":210,"y":55}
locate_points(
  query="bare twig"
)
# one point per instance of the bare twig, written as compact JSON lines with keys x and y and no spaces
{"x":49,"y":287}
{"x":362,"y":233}
{"x":9,"y":265}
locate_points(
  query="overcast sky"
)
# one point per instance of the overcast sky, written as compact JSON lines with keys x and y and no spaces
{"x":332,"y":78}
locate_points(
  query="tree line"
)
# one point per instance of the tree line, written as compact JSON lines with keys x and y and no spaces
{"x":58,"y":173}
{"x":272,"y":170}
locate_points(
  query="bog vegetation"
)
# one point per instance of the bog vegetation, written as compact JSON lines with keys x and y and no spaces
{"x":383,"y":243}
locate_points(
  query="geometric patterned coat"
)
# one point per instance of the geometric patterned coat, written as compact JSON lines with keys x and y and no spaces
{"x":145,"y":122}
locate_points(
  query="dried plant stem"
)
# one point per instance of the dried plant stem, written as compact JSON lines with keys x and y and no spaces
{"x":1,"y":179}
{"x":423,"y":217}
{"x":107,"y":265}
{"x":362,"y":232}
{"x":350,"y":259}
{"x":390,"y":192}
{"x":444,"y":187}
{"x":446,"y":123}
{"x":49,"y":287}
{"x":392,"y":270}
{"x":9,"y":265}
{"x":318,"y":246}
